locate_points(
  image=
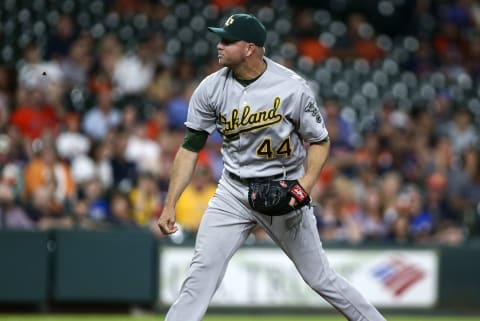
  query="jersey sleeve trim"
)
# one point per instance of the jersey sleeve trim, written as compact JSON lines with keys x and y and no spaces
{"x":194,"y":140}
{"x":318,"y":140}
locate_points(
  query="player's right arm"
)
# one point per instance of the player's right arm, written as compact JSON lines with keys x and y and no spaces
{"x":200,"y":122}
{"x":183,"y":167}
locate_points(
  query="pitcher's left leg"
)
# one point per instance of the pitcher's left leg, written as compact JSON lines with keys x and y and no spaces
{"x":297,"y":235}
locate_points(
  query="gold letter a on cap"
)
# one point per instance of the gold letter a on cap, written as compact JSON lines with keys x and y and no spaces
{"x":229,"y":21}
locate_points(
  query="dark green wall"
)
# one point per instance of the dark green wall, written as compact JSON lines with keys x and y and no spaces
{"x":459,"y":285}
{"x":121,"y":267}
{"x":24,"y":267}
{"x":105,"y":266}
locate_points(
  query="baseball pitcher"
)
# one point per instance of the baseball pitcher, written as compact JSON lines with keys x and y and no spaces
{"x":265,"y":113}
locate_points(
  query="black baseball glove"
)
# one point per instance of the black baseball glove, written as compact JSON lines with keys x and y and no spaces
{"x":273,"y":197}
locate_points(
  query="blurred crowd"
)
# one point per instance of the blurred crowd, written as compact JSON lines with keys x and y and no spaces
{"x":89,"y":128}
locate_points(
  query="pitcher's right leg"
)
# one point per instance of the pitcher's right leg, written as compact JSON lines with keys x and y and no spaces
{"x":220,"y":234}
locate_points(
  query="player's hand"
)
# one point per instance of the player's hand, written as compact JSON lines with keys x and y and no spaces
{"x":166,"y":221}
{"x":303,"y":182}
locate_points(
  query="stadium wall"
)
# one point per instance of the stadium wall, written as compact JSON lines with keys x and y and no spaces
{"x":128,"y":268}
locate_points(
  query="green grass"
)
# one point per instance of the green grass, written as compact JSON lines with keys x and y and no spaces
{"x":215,"y":317}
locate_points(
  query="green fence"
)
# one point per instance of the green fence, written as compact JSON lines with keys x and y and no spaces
{"x":122,"y":267}
{"x":107,"y":266}
{"x":459,"y":284}
{"x":24,"y":267}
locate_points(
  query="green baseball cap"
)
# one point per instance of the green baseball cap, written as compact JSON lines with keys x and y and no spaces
{"x":242,"y":26}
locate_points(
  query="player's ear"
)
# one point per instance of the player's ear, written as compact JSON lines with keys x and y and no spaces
{"x":250,"y":49}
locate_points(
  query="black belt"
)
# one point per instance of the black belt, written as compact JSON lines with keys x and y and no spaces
{"x":247,"y":181}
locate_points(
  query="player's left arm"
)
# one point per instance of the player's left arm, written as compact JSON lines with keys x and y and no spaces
{"x":317,"y":154}
{"x":312,"y":129}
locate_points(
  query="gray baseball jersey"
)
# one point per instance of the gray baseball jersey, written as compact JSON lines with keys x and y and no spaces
{"x":263,"y":132}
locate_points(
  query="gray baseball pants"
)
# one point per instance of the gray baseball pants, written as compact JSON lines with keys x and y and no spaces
{"x":225,"y":226}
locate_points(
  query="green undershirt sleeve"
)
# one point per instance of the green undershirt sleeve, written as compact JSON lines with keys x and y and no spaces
{"x":194,"y":140}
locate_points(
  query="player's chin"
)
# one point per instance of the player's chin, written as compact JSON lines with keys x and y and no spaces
{"x":221,"y":61}
{"x":224,"y":61}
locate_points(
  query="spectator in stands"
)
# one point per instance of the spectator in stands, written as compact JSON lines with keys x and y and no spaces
{"x":224,"y":5}
{"x":145,"y":200}
{"x":130,"y":118}
{"x":183,"y":74}
{"x":333,"y":223}
{"x":143,"y":151}
{"x":12,"y":216}
{"x":474,"y":13}
{"x":109,"y":51}
{"x":19,"y":151}
{"x":157,"y":123}
{"x":10,"y":169}
{"x":442,"y":157}
{"x":390,"y":186}
{"x":440,"y":109}
{"x":42,"y":209}
{"x":61,"y":39}
{"x":339,"y":219}
{"x":375,"y":152}
{"x":348,"y":206}
{"x":160,"y":88}
{"x":464,"y":187}
{"x":35,"y":117}
{"x":362,"y":180}
{"x":34,"y":73}
{"x":420,"y":221}
{"x":411,"y":153}
{"x":97,"y":202}
{"x":158,"y":45}
{"x":128,"y":7}
{"x":76,"y":65}
{"x":450,"y":45}
{"x":458,"y":12}
{"x":358,"y":41}
{"x":124,"y":171}
{"x":332,"y":114}
{"x":422,"y":20}
{"x":88,"y":210}
{"x":212,"y":153}
{"x":306,"y":34}
{"x":79,"y":213}
{"x":422,"y":122}
{"x":169,"y":143}
{"x":7,"y":91}
{"x":4,"y":116}
{"x":48,"y":174}
{"x":461,"y":130}
{"x":177,"y":107}
{"x":121,"y":210}
{"x":446,"y":220}
{"x":71,"y":142}
{"x":472,"y":64}
{"x":342,"y":155}
{"x":141,"y":63}
{"x":424,"y":60}
{"x":399,"y":232}
{"x":102,"y":117}
{"x":95,"y":163}
{"x":370,"y":215}
{"x":194,"y":200}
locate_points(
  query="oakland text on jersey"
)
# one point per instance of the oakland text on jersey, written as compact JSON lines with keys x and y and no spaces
{"x":248,"y":121}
